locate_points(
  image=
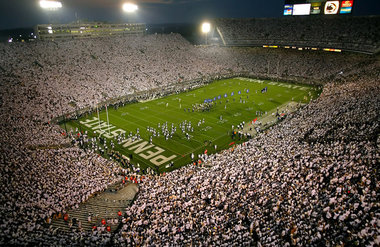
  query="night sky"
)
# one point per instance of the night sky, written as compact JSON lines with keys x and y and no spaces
{"x":27,"y":13}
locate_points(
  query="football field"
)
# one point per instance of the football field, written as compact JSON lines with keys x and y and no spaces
{"x":164,"y":133}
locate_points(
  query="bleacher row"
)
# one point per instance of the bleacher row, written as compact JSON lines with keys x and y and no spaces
{"x":360,"y":34}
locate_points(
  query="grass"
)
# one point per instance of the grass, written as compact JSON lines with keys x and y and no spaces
{"x":218,"y":121}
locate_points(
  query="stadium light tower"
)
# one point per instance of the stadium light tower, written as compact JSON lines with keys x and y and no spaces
{"x":50,"y":5}
{"x":130,"y":7}
{"x":206,"y":27}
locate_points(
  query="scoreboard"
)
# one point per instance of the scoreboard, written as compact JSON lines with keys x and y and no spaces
{"x":317,"y":7}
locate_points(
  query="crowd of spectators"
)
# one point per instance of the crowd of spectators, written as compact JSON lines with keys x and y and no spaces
{"x":346,"y":32}
{"x":310,"y":180}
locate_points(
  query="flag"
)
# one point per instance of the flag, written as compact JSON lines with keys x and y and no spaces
{"x":206,"y":151}
{"x":254,"y":120}
{"x":232,"y":143}
{"x":264,"y":90}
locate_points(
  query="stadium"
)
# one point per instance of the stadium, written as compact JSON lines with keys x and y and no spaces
{"x":114,"y":136}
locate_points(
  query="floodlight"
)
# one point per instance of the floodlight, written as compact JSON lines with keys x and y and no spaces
{"x":130,"y":7}
{"x":50,"y":4}
{"x":206,"y":27}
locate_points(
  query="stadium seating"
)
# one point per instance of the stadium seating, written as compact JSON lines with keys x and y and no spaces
{"x":310,"y":181}
{"x":347,"y":33}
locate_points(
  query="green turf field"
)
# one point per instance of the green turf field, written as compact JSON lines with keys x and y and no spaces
{"x":234,"y":101}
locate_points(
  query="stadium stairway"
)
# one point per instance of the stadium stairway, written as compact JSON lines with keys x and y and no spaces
{"x":270,"y":118}
{"x":104,"y":205}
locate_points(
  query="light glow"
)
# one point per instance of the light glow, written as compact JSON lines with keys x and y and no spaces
{"x":331,"y":7}
{"x":130,"y":7}
{"x":50,"y":4}
{"x":206,"y":27}
{"x":347,"y":3}
{"x":335,"y":50}
{"x":301,"y":9}
{"x":288,"y":9}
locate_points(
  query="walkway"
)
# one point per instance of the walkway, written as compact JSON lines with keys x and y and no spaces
{"x":104,"y":205}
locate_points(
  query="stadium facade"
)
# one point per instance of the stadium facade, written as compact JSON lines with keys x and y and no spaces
{"x":87,"y":30}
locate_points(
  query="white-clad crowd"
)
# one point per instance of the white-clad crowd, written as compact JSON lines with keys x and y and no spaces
{"x":312,"y":180}
{"x":43,"y":80}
